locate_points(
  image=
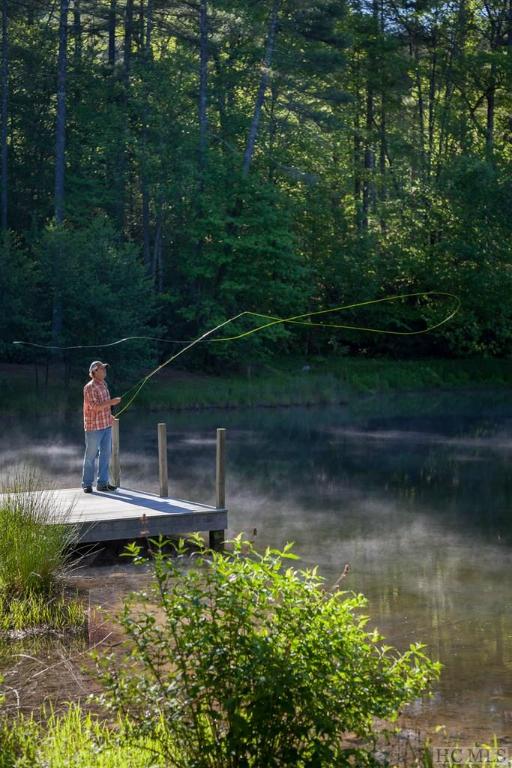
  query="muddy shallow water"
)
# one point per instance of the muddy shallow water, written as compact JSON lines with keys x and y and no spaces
{"x":414,"y":491}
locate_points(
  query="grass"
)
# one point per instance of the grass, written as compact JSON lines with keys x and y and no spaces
{"x":276,"y":389}
{"x":78,"y":739}
{"x":73,"y":739}
{"x":322,"y":381}
{"x":59,"y":610}
{"x":34,"y":541}
{"x":34,"y":558}
{"x":282,"y":382}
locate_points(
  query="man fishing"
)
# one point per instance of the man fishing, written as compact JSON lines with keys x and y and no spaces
{"x":98,"y":428}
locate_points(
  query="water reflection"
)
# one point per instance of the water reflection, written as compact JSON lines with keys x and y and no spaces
{"x":414,"y":492}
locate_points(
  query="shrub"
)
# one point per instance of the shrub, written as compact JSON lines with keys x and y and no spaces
{"x":251,"y":664}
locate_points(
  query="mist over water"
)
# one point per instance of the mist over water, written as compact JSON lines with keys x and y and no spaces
{"x":414,"y":491}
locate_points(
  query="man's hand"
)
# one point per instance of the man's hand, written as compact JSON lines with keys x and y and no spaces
{"x":115,"y":401}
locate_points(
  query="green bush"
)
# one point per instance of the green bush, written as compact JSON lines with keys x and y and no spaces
{"x":249,"y":663}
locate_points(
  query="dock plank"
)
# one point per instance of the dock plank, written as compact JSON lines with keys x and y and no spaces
{"x":127,"y":513}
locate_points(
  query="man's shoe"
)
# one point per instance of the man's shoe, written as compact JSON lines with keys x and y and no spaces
{"x":88,"y":489}
{"x":107,"y":487}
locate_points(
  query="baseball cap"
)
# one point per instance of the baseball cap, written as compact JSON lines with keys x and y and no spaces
{"x":95,"y":365}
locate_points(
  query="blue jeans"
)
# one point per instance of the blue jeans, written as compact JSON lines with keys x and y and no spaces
{"x":97,"y":442}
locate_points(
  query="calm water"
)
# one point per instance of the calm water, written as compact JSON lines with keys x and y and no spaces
{"x":415,"y":492}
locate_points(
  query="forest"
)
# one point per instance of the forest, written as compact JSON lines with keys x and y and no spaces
{"x":166,"y":165}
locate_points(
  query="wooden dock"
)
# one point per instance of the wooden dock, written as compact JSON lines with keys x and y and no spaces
{"x":130,"y":514}
{"x":127,"y":514}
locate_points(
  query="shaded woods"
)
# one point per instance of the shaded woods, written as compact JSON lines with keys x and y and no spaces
{"x":167,"y":165}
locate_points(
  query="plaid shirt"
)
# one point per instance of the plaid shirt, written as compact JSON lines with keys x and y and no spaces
{"x":95,"y":393}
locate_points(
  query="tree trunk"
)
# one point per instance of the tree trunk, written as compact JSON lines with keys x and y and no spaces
{"x":357,"y":173}
{"x":490,"y":94}
{"x":369,"y":161}
{"x":146,"y":239}
{"x":489,"y":130}
{"x":357,"y":145}
{"x":60,"y":147}
{"x":139,"y":31}
{"x":220,"y":94}
{"x":5,"y":113}
{"x":459,"y":37}
{"x":149,"y":31}
{"x":383,"y":192}
{"x":60,"y":158}
{"x":265,"y":72}
{"x":382,"y":137}
{"x":431,"y":107}
{"x":369,"y":196}
{"x":157,"y":267}
{"x":112,"y":34}
{"x":123,"y":144}
{"x":203,"y":85}
{"x":421,"y":108}
{"x":77,"y":34}
{"x":272,"y":133}
{"x":128,"y":36}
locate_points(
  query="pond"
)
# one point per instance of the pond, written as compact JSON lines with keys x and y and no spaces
{"x":413,"y":490}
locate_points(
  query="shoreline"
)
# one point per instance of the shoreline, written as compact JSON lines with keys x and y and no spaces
{"x":319,"y":382}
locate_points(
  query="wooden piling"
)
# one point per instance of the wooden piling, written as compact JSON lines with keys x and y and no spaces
{"x":115,"y":467}
{"x":221,"y":469}
{"x":217,"y":536}
{"x":162,"y":460}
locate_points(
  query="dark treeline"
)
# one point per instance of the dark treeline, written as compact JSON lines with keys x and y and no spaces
{"x":165,"y":165}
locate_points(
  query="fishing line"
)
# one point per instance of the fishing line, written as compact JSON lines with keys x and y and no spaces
{"x":96,"y":346}
{"x":270,"y":321}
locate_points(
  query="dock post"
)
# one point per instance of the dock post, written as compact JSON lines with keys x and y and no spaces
{"x":115,"y":467}
{"x":217,"y":537}
{"x":162,"y":460}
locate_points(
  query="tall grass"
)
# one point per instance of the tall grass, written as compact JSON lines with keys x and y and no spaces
{"x":35,"y":536}
{"x":76,"y":739}
{"x":61,"y":610}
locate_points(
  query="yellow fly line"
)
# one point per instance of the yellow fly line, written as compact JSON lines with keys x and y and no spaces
{"x":270,"y":320}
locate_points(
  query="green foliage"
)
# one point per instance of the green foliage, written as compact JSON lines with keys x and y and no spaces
{"x":249,"y":662}
{"x":104,"y":292}
{"x":57,"y":610}
{"x":18,"y":281}
{"x":236,"y":261}
{"x":34,"y":542}
{"x":77,"y":739}
{"x":398,"y":181}
{"x":72,"y":739}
